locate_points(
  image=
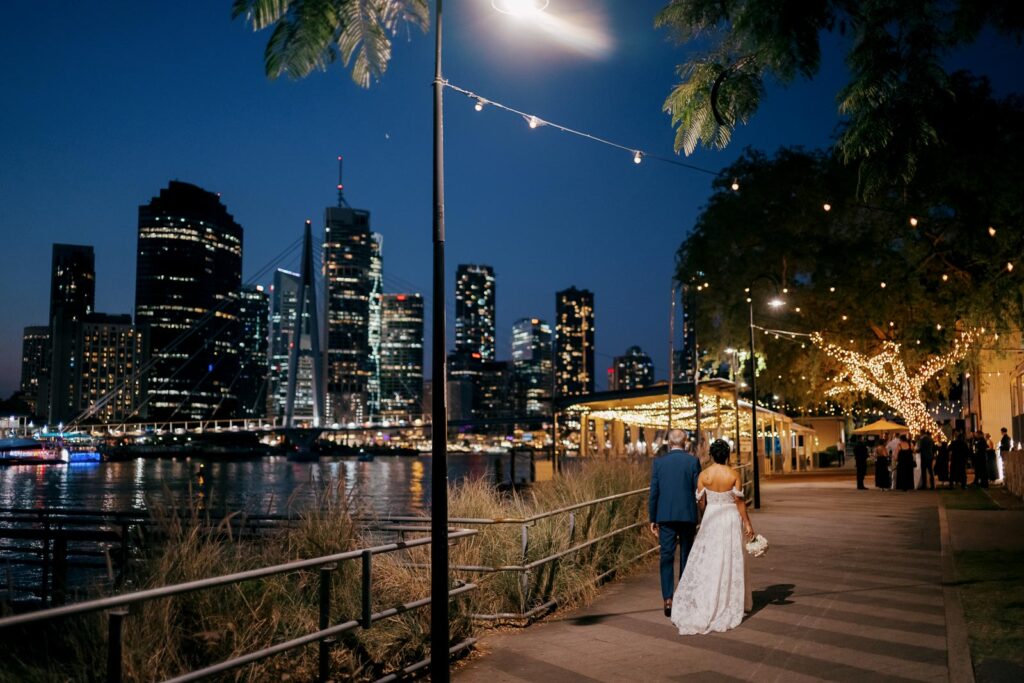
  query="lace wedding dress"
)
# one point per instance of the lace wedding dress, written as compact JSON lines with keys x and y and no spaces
{"x":712,"y":592}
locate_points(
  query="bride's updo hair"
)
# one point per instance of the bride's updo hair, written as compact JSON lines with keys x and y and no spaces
{"x":720,"y":451}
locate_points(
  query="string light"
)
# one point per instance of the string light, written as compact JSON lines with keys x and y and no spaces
{"x":991,"y":231}
{"x":1009,"y":266}
{"x":913,"y":222}
{"x":832,"y":289}
{"x":827,"y":206}
{"x":533,"y":121}
{"x":637,"y":157}
{"x":479,"y":106}
{"x":735,"y":185}
{"x":883,"y":285}
{"x":945,"y":277}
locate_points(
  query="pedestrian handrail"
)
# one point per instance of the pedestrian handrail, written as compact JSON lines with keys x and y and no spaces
{"x":117,"y":607}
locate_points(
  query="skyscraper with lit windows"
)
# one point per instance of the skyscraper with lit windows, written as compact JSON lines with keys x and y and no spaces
{"x":284,"y":300}
{"x":253,"y":311}
{"x":632,"y":370}
{"x":401,"y":356}
{"x":188,"y":274}
{"x":475,"y":311}
{"x":574,"y":342}
{"x":532,"y":366}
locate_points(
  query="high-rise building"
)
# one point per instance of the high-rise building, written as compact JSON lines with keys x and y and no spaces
{"x":574,"y":342}
{"x":474,"y":311}
{"x":35,"y":367}
{"x":532,"y":366}
{"x":253,"y":312}
{"x":373,"y":385}
{"x":633,"y":370}
{"x":72,"y":281}
{"x":284,"y":294}
{"x":72,"y":297}
{"x":189,"y":271}
{"x":106,"y":387}
{"x":401,"y":356}
{"x":348,"y":266}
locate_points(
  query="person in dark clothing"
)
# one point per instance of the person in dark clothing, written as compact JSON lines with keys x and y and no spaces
{"x":980,"y":461}
{"x":883,"y":478}
{"x":860,"y":457}
{"x":942,"y":462}
{"x":1004,"y":446}
{"x":959,"y":452}
{"x":904,"y":465}
{"x":926,"y":447}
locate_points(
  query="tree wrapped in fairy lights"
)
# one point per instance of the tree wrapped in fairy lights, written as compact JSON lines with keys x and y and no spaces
{"x":886,"y":378}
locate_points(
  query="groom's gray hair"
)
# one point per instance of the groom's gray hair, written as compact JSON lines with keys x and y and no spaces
{"x":677,"y":437}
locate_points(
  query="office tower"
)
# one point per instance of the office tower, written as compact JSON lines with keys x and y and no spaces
{"x":189,"y":270}
{"x":72,"y":296}
{"x":373,"y":385}
{"x":474,"y":311}
{"x":284,"y":294}
{"x":72,"y":281}
{"x":686,"y":358}
{"x":35,"y":367}
{"x":348,"y":266}
{"x":532,"y":366}
{"x":401,"y":356}
{"x":253,"y":310}
{"x":633,"y":370}
{"x":106,"y":387}
{"x":493,"y":398}
{"x":574,"y":342}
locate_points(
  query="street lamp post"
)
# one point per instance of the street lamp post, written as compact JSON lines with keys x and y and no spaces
{"x":439,"y":399}
{"x":774,"y":303}
{"x":735,"y":398}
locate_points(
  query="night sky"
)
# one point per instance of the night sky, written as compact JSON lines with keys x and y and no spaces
{"x":103,"y":104}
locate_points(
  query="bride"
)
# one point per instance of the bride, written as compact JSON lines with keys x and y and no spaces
{"x":712,"y":593}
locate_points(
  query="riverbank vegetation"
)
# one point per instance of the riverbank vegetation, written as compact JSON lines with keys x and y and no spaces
{"x":167,"y":637}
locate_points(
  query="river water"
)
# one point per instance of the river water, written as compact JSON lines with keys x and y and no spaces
{"x":270,"y":485}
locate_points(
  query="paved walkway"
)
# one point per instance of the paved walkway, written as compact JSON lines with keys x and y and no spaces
{"x":850,"y":591}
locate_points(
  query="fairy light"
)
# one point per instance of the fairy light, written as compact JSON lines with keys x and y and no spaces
{"x":533,"y":121}
{"x":991,"y":231}
{"x":479,"y":106}
{"x":1009,"y":266}
{"x":637,"y":157}
{"x":826,"y":206}
{"x":883,"y":285}
{"x":913,"y":222}
{"x":884,"y":376}
{"x":735,"y":185}
{"x":945,"y":277}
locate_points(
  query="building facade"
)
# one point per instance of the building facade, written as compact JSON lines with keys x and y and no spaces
{"x":475,"y":311}
{"x":574,"y":342}
{"x":284,"y":294}
{"x":189,"y":271}
{"x":35,"y":367}
{"x":401,"y":356}
{"x":532,"y":366}
{"x":72,"y":281}
{"x":374,"y":331}
{"x":348,"y":268}
{"x":107,"y":386}
{"x":633,"y":370}
{"x":254,"y":318}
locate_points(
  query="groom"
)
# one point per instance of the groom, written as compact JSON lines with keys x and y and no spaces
{"x":673,"y":509}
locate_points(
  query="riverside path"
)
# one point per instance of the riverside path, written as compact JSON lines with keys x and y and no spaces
{"x":851,"y":590}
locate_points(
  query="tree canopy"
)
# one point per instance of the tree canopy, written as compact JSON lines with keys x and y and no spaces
{"x":908,"y":267}
{"x":894,"y":51}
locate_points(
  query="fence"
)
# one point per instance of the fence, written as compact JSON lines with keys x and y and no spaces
{"x":117,"y":610}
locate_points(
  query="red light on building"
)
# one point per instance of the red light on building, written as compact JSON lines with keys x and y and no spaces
{"x":476,"y":355}
{"x":400,"y":297}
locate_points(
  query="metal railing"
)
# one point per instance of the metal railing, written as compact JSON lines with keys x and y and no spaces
{"x":117,"y":608}
{"x":526,"y":567}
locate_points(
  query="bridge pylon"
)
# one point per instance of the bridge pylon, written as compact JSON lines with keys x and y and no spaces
{"x":305,"y":342}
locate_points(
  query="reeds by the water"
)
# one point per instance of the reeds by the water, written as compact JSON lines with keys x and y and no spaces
{"x":167,"y":637}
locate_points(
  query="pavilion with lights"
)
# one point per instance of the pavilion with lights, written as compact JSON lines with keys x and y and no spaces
{"x":634,"y":423}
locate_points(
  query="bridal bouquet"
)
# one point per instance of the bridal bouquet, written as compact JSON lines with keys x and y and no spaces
{"x":757,"y":546}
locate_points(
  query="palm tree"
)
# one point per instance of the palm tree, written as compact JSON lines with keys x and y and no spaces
{"x":309,"y":35}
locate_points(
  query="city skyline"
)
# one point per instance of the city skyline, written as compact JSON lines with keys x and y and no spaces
{"x":87,"y":162}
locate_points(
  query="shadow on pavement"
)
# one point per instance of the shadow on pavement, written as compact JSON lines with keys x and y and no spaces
{"x":778,"y":594}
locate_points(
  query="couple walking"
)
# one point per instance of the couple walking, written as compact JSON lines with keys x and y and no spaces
{"x":712,"y":594}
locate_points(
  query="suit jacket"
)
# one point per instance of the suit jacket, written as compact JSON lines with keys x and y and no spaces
{"x":674,"y":488}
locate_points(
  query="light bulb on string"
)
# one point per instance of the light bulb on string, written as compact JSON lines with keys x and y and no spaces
{"x":826,"y":206}
{"x":883,"y":285}
{"x":735,"y":185}
{"x":533,"y":121}
{"x":479,"y":106}
{"x":945,"y":277}
{"x":991,"y":231}
{"x":1009,"y":266}
{"x":913,"y":222}
{"x":637,"y":157}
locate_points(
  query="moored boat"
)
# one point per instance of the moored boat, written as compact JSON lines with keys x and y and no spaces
{"x":30,"y":452}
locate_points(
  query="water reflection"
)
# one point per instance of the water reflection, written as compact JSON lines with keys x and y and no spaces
{"x":271,"y":485}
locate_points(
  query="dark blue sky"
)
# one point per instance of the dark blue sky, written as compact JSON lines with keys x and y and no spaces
{"x":103,"y":105}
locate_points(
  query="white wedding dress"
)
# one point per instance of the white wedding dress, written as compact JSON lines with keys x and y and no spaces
{"x":712,"y":593}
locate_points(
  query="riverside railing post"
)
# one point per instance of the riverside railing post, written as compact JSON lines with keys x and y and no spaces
{"x":115,"y":618}
{"x":326,"y":572}
{"x":367,"y":620}
{"x":439,"y":413}
{"x":524,"y":576}
{"x":753,"y":410}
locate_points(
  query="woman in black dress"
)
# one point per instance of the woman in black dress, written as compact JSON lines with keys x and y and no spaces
{"x":905,"y":465}
{"x":942,"y":462}
{"x":883,"y":478}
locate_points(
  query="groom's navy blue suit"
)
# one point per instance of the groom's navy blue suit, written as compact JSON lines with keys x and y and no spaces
{"x":673,"y":507}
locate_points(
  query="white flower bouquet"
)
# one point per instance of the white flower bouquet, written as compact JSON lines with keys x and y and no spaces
{"x":757,"y":546}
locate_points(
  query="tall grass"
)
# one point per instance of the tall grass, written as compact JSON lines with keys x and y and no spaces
{"x":167,"y":637}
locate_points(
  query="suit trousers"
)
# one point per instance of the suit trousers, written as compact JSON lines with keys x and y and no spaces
{"x":671,"y":534}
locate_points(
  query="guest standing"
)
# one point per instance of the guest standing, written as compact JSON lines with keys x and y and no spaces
{"x":990,"y":458}
{"x":883,"y":478}
{"x":926,"y":447}
{"x":904,"y":465}
{"x":959,"y":452}
{"x":979,"y":461}
{"x":942,"y":462}
{"x":860,"y":457}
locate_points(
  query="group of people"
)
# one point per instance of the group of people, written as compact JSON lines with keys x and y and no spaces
{"x":945,"y":460}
